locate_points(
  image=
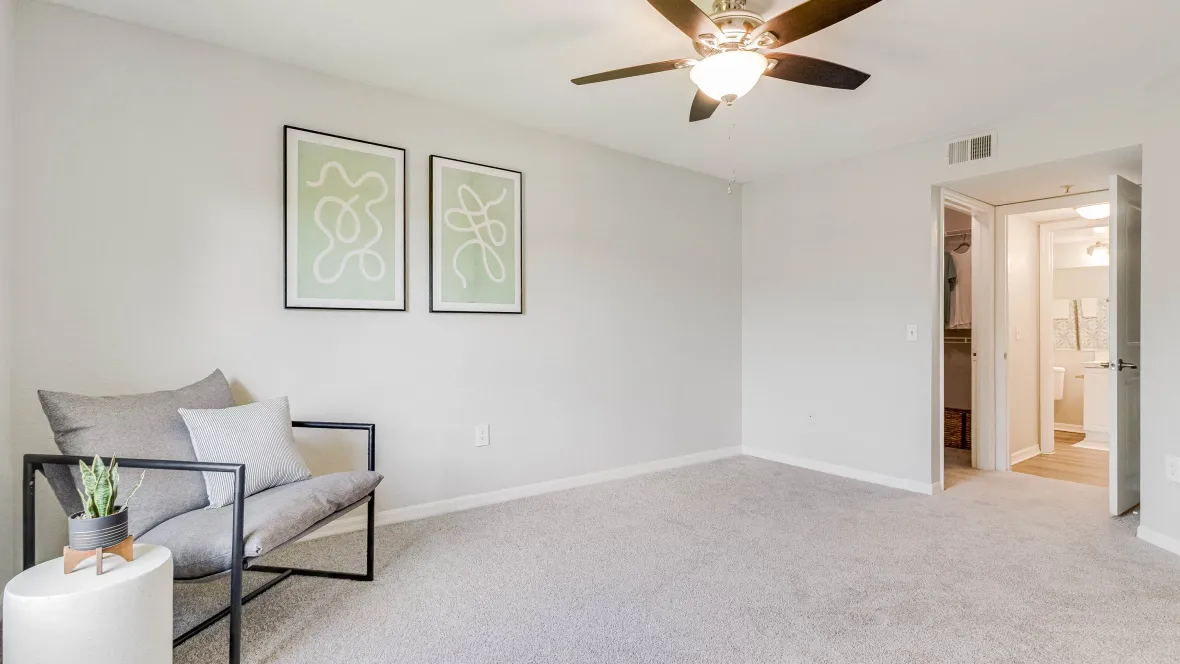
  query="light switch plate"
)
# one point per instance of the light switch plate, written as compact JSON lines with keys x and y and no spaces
{"x":911,"y":332}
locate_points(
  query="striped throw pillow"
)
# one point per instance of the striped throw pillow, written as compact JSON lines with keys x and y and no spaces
{"x":258,"y":435}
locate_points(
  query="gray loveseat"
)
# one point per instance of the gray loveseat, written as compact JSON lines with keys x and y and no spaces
{"x":146,"y":431}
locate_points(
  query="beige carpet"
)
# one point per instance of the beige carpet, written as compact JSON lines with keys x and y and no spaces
{"x":740,"y":560}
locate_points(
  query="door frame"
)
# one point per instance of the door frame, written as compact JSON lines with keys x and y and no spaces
{"x":982,"y":339}
{"x":1003,"y":458}
{"x":1048,"y":421}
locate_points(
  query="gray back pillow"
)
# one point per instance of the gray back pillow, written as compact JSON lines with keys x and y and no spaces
{"x":144,"y":426}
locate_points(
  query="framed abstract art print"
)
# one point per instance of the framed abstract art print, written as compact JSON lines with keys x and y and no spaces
{"x":476,"y":238}
{"x":345,"y":236}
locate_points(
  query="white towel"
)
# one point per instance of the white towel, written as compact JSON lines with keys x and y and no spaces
{"x":1061,"y":309}
{"x":1089,"y":307}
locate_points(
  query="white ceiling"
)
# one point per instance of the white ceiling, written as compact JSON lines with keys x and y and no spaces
{"x":1084,"y":174}
{"x":939,"y":66}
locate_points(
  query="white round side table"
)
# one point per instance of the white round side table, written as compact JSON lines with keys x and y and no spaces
{"x":124,"y":615}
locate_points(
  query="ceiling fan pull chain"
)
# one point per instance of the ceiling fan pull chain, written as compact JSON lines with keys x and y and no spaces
{"x":733,"y":172}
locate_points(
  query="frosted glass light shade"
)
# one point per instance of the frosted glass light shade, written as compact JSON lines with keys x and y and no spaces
{"x":1100,"y":211}
{"x":727,"y":75}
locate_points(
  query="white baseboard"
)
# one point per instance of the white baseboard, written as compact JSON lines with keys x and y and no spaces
{"x":460,"y":503}
{"x":843,"y":471}
{"x":1025,"y":454}
{"x":1159,"y":539}
{"x":1069,"y":428}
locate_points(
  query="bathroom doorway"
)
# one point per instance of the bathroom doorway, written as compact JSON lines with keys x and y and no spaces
{"x":1058,"y":304}
{"x":1072,"y":268}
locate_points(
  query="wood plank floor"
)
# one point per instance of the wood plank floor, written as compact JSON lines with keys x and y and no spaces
{"x":1069,"y":463}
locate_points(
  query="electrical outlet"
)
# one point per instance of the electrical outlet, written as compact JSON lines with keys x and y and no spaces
{"x":1172,"y":468}
{"x":483,"y":435}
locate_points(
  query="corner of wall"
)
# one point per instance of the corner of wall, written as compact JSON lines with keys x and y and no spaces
{"x":8,"y":523}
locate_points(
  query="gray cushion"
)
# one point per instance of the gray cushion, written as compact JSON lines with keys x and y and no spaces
{"x":200,"y":540}
{"x":145,"y":426}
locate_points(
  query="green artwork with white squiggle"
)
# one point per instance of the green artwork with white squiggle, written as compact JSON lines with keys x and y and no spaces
{"x":478,"y":237}
{"x":347,"y":224}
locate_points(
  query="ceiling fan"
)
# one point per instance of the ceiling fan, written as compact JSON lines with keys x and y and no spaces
{"x":730,"y":42}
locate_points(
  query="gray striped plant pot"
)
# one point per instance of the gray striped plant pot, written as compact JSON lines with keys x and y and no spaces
{"x":103,"y":532}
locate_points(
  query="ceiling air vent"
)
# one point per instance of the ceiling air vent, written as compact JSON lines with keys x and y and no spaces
{"x":972,"y":148}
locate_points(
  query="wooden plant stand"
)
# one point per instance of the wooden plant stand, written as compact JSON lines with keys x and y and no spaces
{"x":124,"y":550}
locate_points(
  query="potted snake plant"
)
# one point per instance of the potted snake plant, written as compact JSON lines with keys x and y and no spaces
{"x":102,"y":523}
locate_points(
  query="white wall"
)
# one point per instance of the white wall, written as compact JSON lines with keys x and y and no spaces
{"x":1160,"y":514}
{"x":1024,"y":338}
{"x":151,"y":252}
{"x":838,"y":259}
{"x":1074,"y":254}
{"x":8,"y":512}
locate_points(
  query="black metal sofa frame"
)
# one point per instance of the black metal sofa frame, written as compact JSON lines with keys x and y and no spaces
{"x":36,"y":462}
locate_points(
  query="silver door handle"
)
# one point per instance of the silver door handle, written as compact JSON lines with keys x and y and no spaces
{"x":1104,"y":365}
{"x":1126,"y":365}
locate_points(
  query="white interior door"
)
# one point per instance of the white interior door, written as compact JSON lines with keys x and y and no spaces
{"x":1124,"y":313}
{"x":983,"y":396}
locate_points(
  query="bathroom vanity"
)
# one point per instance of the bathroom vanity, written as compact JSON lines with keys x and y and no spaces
{"x":1096,"y":402}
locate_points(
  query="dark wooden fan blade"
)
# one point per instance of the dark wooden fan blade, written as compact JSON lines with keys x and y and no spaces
{"x":688,"y":17}
{"x":702,"y":107}
{"x":809,"y":17}
{"x":628,"y":72}
{"x":802,"y":69}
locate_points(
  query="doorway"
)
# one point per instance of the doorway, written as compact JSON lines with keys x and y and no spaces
{"x":965,"y":341}
{"x":1014,"y":417}
{"x":1005,"y":432}
{"x":1107,"y":327}
{"x":1058,"y":303}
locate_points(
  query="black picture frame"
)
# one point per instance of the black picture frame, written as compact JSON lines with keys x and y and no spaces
{"x":520,"y":255}
{"x":290,"y":133}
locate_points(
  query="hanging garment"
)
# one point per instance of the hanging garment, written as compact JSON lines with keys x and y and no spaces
{"x":961,"y":309}
{"x":948,"y":288}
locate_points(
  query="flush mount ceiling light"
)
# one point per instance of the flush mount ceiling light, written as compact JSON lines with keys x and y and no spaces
{"x":733,"y":41}
{"x":1100,"y":211}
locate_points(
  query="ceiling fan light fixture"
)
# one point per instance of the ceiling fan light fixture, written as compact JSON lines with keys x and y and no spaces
{"x":1094,"y":212}
{"x":728,"y":75}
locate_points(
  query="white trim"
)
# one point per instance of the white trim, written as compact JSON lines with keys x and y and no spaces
{"x":1047,"y":406}
{"x":1025,"y":454}
{"x":461,"y":503}
{"x":843,"y":471}
{"x":1159,"y":539}
{"x":1068,"y":428}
